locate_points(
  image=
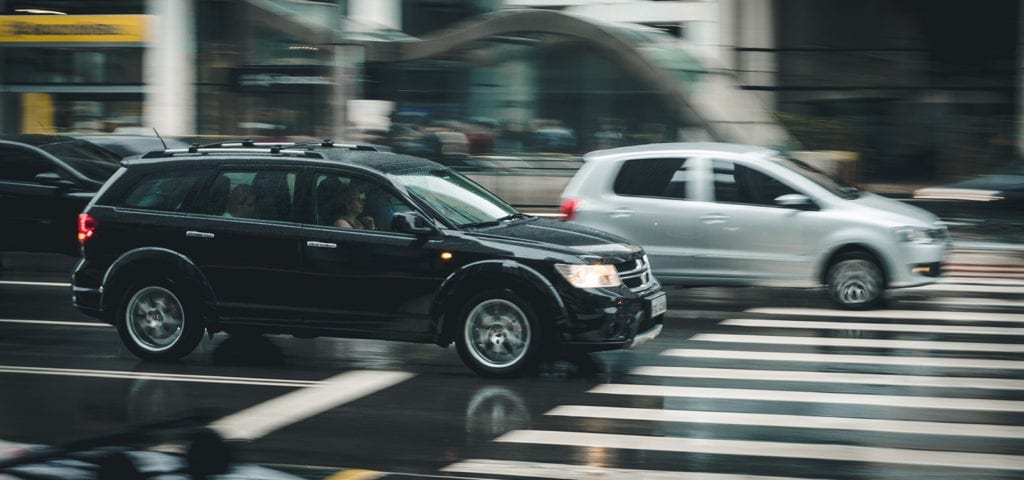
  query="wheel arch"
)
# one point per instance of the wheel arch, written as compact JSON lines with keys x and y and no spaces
{"x":152,"y":261}
{"x":854,"y":248}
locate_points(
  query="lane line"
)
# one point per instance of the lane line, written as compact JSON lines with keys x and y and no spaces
{"x":260,"y":420}
{"x":55,"y":322}
{"x":831,"y":377}
{"x":171,"y":377}
{"x":792,"y":421}
{"x":860,"y":343}
{"x":877,"y":327}
{"x":941,"y":362}
{"x":906,"y":401}
{"x":809,"y":451}
{"x":893,"y":314}
{"x":564,"y":471}
{"x":35,"y":284}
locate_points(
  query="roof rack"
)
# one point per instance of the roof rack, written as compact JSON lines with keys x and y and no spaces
{"x":248,"y":145}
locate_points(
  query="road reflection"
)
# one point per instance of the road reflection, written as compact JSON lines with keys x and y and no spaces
{"x":248,"y":349}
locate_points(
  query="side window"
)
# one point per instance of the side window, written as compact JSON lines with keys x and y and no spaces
{"x":21,"y":165}
{"x":346,"y":202}
{"x":736,"y":183}
{"x":262,"y":194}
{"x":653,"y":177}
{"x":165,"y":192}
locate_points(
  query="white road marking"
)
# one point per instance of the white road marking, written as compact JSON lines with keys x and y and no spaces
{"x":259,"y":420}
{"x":792,"y":421}
{"x":35,"y":284}
{"x":563,"y":471}
{"x":877,"y":327}
{"x":1007,"y":286}
{"x":861,"y":343}
{"x":968,"y":302}
{"x":171,"y":377}
{"x":945,"y":403}
{"x":895,"y":314}
{"x":940,"y":362}
{"x":831,"y":377}
{"x":843,"y":453}
{"x":55,"y":322}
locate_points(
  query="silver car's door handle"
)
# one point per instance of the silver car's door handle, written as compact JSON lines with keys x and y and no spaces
{"x":193,"y":233}
{"x":321,"y":244}
{"x":712,"y":218}
{"x":620,"y":212}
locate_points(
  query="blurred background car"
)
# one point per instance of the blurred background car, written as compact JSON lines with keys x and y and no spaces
{"x":729,"y":214}
{"x":128,"y":145}
{"x":45,"y":181}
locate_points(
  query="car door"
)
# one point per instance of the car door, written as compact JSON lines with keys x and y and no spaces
{"x":747,"y":237}
{"x":363,"y":279}
{"x":39,"y":213}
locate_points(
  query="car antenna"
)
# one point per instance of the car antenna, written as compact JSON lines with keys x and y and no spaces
{"x":161,"y":138}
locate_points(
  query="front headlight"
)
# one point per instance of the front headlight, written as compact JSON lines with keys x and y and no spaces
{"x":913,"y":235}
{"x":589,"y":276}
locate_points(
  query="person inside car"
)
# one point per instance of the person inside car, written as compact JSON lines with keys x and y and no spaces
{"x":241,"y":202}
{"x":350,"y":210}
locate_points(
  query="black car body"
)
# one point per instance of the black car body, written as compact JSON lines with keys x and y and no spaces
{"x":450,"y":262}
{"x":45,"y":181}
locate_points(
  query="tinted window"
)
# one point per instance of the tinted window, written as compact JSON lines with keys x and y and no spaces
{"x":345,"y":202}
{"x":736,"y":183}
{"x":653,"y":177}
{"x":262,"y":194}
{"x":164,"y":192}
{"x":21,"y":165}
{"x":86,"y":158}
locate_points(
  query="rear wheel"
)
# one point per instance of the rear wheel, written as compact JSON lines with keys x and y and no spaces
{"x":159,"y":321}
{"x":855,"y":281}
{"x":499,"y":335}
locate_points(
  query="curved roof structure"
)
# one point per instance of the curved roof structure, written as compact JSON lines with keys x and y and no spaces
{"x":707,"y":97}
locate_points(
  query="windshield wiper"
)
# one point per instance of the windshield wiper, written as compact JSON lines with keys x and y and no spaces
{"x":497,"y":221}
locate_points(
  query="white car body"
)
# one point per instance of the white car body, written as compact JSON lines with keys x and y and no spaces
{"x":793,"y":239}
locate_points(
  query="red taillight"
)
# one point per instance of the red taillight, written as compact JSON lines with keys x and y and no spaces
{"x":568,"y":209}
{"x":86,"y":227}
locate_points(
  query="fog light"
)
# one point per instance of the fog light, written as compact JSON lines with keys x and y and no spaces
{"x":921,"y":269}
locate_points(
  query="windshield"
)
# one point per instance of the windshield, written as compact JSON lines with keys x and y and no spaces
{"x":88,"y":159}
{"x":457,"y":198}
{"x":833,"y":185}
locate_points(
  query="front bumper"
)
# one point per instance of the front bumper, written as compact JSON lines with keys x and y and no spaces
{"x":601,"y":321}
{"x":918,"y":264}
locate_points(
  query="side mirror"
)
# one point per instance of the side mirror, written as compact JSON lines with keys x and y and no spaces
{"x":795,"y":200}
{"x":411,"y":222}
{"x":53,"y":179}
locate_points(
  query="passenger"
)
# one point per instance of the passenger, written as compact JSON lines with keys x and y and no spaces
{"x":241,"y":202}
{"x":350,"y":210}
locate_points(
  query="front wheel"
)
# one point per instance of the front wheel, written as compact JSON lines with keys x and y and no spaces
{"x":499,"y":335}
{"x":158,"y":321}
{"x":855,"y":281}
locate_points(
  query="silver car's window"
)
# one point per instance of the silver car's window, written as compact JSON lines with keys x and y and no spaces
{"x":736,"y":183}
{"x":654,"y":177}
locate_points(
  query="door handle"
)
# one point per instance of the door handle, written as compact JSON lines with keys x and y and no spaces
{"x":713,"y":218}
{"x":193,"y":233}
{"x":621,"y":212}
{"x":321,"y":244}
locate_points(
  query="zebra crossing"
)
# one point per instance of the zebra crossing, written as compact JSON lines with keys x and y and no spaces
{"x":929,"y":388}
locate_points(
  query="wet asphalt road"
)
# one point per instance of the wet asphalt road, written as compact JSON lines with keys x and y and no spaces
{"x":744,"y":383}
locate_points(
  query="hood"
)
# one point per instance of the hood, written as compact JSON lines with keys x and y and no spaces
{"x":565,"y":237}
{"x":895,"y":211}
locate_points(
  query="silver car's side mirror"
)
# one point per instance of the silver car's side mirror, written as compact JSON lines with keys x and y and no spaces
{"x":795,"y":200}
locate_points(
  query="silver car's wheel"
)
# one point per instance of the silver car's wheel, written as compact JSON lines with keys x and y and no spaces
{"x":158,"y":323}
{"x":499,"y":336}
{"x":855,"y":282}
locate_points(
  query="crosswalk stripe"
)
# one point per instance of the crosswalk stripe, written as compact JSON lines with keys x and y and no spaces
{"x":1005,"y":286}
{"x":877,"y":327}
{"x":968,"y":302}
{"x":861,"y":343}
{"x":792,"y":421}
{"x":843,"y":453}
{"x":563,"y":471}
{"x":831,"y":377}
{"x":893,"y":314}
{"x":940,"y":362}
{"x":907,"y":401}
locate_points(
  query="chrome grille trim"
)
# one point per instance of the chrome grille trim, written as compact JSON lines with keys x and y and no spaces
{"x":636,"y":274}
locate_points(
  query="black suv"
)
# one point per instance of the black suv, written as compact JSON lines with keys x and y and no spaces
{"x":345,"y":241}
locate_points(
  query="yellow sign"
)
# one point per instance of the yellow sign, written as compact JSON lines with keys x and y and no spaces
{"x":73,"y":28}
{"x":37,"y":113}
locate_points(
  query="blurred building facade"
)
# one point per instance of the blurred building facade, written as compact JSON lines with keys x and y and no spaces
{"x":917,"y":88}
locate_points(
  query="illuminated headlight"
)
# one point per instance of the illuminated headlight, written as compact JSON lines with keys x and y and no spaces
{"x":913,"y":235}
{"x":590,"y":276}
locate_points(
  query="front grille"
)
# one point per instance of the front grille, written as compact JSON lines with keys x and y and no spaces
{"x":635,"y":274}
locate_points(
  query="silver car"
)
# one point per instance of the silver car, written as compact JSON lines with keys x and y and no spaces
{"x":727,"y":214}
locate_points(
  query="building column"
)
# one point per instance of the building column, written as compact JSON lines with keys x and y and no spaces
{"x":755,"y":28}
{"x":169,"y":66}
{"x":377,"y":13}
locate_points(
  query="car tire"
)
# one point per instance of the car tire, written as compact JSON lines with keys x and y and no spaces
{"x":855,"y":281}
{"x":159,"y":321}
{"x":498,"y":335}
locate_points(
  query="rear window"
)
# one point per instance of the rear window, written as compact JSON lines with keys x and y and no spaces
{"x":653,"y":177}
{"x":165,"y":192}
{"x":88,"y":159}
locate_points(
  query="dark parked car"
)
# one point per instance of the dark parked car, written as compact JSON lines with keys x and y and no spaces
{"x":128,"y":145}
{"x":167,"y":256}
{"x":45,"y":181}
{"x":1001,"y":191}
